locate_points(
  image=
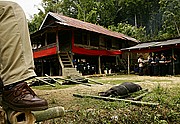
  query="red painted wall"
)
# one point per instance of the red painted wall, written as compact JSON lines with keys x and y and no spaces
{"x":46,"y":52}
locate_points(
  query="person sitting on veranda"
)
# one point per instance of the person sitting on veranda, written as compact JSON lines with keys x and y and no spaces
{"x":16,"y":60}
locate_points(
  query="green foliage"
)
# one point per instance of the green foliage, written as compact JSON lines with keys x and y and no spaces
{"x":48,"y":6}
{"x":97,"y":12}
{"x":35,"y":23}
{"x":171,"y":14}
{"x":87,"y":11}
{"x":51,"y":6}
{"x":141,"y":19}
{"x":138,"y":33}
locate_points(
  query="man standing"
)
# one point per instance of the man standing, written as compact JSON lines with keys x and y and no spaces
{"x":16,"y":60}
{"x":141,"y":65}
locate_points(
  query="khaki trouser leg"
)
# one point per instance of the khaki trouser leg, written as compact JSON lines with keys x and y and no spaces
{"x":15,"y":48}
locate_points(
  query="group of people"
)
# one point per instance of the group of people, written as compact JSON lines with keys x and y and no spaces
{"x":155,"y":65}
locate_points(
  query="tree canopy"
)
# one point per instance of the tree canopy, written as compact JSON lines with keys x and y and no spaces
{"x":141,"y":19}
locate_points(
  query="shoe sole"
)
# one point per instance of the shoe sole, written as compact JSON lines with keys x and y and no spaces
{"x":7,"y":105}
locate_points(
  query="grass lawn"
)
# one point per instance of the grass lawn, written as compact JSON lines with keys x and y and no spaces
{"x":163,"y":90}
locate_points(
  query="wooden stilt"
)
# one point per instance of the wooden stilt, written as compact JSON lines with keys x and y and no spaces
{"x":99,"y":64}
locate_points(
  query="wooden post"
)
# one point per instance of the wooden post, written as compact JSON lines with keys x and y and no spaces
{"x":50,"y":69}
{"x":45,"y":39}
{"x":117,"y":60}
{"x":57,"y":41}
{"x":42,"y":67}
{"x":99,"y":64}
{"x":58,"y":51}
{"x":128,"y":64}
{"x":173,"y":64}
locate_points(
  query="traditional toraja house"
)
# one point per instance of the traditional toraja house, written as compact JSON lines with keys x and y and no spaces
{"x":169,"y":47}
{"x":65,"y":46}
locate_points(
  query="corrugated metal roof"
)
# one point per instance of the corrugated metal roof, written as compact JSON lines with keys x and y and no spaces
{"x":154,"y":44}
{"x":67,"y":21}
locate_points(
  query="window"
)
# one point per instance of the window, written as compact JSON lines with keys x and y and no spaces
{"x":94,"y":39}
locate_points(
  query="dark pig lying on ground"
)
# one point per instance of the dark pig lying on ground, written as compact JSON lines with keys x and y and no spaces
{"x":122,"y":89}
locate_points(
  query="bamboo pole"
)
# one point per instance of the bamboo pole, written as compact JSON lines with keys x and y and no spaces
{"x":129,"y":94}
{"x":45,"y":82}
{"x":50,"y":113}
{"x":116,"y":99}
{"x":53,"y":79}
{"x":140,"y":96}
{"x":29,"y":117}
{"x":92,"y":80}
{"x":74,"y":81}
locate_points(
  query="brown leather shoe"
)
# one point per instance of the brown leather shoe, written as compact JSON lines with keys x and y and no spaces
{"x":22,"y":98}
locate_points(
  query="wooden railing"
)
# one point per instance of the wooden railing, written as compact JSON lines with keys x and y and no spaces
{"x":45,"y":47}
{"x":86,"y":46}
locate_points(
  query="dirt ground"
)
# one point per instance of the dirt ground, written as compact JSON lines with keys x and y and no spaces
{"x":62,"y":97}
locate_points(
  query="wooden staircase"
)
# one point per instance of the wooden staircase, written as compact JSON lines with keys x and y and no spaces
{"x":67,"y":64}
{"x":66,"y":60}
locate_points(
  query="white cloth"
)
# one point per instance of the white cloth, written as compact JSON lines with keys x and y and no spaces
{"x":140,"y":61}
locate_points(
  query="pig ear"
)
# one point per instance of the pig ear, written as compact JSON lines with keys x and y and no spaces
{"x":139,"y":87}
